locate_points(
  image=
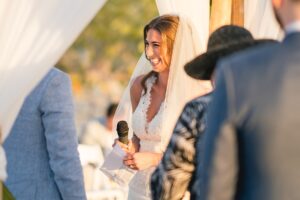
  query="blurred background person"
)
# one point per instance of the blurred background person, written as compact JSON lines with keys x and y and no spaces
{"x":95,"y":143}
{"x":99,"y":131}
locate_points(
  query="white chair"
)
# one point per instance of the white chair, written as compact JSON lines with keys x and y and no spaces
{"x":97,"y":185}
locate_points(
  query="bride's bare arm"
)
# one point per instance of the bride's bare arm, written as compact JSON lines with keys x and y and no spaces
{"x":135,"y":95}
{"x":136,"y":92}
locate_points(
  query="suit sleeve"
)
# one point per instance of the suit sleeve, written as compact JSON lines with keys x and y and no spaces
{"x":220,"y":153}
{"x":58,"y":120}
{"x":172,"y":177}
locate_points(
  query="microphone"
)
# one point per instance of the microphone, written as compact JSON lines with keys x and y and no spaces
{"x":122,"y":130}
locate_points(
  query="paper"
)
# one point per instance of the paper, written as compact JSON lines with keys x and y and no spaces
{"x":114,"y":168}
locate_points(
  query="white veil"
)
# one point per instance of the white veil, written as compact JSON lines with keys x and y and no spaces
{"x":181,"y":88}
{"x":260,"y":20}
{"x":198,"y":12}
{"x":34,"y":34}
{"x":259,"y":17}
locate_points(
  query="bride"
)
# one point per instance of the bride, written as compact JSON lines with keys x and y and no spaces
{"x":157,"y":92}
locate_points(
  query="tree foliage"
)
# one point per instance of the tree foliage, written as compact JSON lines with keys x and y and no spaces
{"x":111,"y":44}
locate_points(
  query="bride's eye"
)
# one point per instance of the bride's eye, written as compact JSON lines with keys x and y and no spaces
{"x":156,"y":45}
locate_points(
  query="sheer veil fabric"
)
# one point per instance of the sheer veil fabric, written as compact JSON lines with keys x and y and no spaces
{"x":259,"y":17}
{"x":196,"y":10}
{"x":181,"y":88}
{"x":260,"y":20}
{"x":34,"y":34}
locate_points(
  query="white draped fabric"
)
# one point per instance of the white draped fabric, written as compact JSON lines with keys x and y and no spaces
{"x":196,"y":10}
{"x":260,"y":20}
{"x":259,"y":17}
{"x":34,"y":34}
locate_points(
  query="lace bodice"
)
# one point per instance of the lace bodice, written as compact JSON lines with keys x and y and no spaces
{"x":150,"y":137}
{"x":149,"y":133}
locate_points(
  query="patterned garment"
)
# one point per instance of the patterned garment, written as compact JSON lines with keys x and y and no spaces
{"x":175,"y":174}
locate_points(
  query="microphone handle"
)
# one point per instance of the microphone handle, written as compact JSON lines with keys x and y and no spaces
{"x":124,"y":140}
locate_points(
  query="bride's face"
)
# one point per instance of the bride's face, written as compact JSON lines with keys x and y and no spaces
{"x":156,"y":51}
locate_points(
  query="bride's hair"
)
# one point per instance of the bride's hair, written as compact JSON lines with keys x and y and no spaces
{"x":166,"y":25}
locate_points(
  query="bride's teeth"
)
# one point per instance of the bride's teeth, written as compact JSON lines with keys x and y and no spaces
{"x":155,"y":61}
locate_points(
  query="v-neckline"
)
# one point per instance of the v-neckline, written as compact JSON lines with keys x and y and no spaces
{"x":154,"y":116}
{"x":148,"y":98}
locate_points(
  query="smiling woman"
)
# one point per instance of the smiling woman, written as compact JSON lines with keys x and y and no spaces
{"x":159,"y":37}
{"x":155,"y":96}
{"x":158,"y":56}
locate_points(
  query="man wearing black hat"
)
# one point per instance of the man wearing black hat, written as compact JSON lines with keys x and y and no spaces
{"x":175,"y":174}
{"x":252,"y":143}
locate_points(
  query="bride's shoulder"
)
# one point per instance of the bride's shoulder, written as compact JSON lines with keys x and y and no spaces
{"x":137,"y":83}
{"x":136,"y":90}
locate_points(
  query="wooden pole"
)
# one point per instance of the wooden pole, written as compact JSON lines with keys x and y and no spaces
{"x":237,"y":16}
{"x":220,"y":14}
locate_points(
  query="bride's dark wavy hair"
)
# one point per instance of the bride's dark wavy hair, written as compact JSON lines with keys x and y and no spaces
{"x":166,"y":25}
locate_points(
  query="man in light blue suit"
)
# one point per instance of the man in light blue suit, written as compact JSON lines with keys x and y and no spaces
{"x":43,"y":161}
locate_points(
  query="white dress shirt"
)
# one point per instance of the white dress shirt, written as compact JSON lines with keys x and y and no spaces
{"x":293,"y":27}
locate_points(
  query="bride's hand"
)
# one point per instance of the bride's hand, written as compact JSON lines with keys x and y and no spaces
{"x":128,"y":148}
{"x":142,"y":160}
{"x":132,"y":146}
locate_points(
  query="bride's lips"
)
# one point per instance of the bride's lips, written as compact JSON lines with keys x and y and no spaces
{"x":154,"y":62}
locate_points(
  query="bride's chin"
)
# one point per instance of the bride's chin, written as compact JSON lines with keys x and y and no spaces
{"x":155,"y":69}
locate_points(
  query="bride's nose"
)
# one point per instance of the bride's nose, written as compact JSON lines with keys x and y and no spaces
{"x":149,"y":52}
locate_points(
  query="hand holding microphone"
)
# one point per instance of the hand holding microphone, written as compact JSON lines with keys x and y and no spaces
{"x":122,"y":140}
{"x":129,"y":146}
{"x":114,"y":166}
{"x":122,"y":130}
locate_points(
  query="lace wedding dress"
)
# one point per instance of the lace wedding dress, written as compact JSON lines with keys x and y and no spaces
{"x":150,"y":137}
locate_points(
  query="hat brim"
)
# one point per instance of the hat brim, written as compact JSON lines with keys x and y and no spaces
{"x":202,"y":67}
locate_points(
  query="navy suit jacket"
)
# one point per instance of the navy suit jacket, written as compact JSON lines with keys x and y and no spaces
{"x":252,"y":146}
{"x":42,"y":157}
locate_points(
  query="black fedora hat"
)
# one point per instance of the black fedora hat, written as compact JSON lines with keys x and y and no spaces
{"x":225,"y":41}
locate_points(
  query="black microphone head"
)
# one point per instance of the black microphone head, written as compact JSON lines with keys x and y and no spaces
{"x":122,"y":128}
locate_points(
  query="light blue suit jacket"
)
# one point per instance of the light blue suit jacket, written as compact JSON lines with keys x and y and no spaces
{"x":41,"y":150}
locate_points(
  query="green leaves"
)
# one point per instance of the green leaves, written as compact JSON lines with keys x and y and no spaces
{"x":113,"y":40}
{"x":6,"y":195}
